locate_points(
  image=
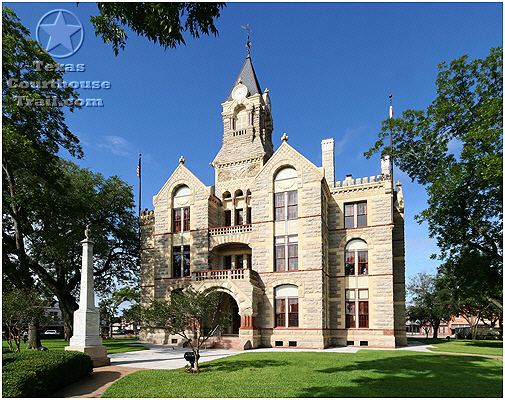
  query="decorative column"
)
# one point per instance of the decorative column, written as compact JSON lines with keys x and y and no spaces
{"x":86,"y":337}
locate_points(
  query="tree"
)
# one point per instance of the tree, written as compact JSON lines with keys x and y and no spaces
{"x":109,"y":305}
{"x":40,"y":242}
{"x":53,"y":250}
{"x":469,"y":297}
{"x":19,"y":307}
{"x":158,"y":22}
{"x":32,"y":135}
{"x":430,"y":303}
{"x":455,"y":149}
{"x":191,"y":314}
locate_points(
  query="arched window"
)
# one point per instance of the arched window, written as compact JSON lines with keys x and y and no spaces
{"x":286,"y":199}
{"x":286,"y":306}
{"x":181,"y":210}
{"x":356,"y":257}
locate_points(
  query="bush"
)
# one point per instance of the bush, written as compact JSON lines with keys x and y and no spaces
{"x":483,"y":333}
{"x":41,"y":373}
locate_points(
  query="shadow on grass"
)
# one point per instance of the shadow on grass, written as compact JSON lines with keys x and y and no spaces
{"x":419,"y":375}
{"x":495,"y":345}
{"x":232,"y":366}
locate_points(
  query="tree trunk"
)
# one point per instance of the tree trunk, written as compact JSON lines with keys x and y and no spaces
{"x":67,"y":307}
{"x":33,"y":335}
{"x":435,"y":331}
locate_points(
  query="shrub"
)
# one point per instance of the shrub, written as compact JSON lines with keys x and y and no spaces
{"x":41,"y":373}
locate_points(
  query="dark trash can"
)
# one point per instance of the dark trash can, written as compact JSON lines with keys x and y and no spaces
{"x":190,"y":357}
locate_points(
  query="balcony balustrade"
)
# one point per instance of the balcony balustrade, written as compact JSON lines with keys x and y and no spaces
{"x":230,"y":230}
{"x":224,"y":274}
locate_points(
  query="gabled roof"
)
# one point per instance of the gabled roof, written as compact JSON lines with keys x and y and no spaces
{"x":248,"y":77}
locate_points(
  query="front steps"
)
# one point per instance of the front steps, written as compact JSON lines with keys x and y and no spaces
{"x":227,"y":342}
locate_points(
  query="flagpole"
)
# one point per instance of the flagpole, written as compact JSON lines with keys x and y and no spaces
{"x":139,"y":175}
{"x":391,"y":154}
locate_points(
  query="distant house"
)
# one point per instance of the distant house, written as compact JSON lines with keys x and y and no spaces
{"x":416,"y":329}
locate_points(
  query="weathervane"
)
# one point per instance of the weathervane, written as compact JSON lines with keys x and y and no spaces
{"x":248,"y":45}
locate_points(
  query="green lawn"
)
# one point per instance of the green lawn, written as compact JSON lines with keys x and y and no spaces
{"x":487,"y":347}
{"x":118,"y":345}
{"x":367,"y":373}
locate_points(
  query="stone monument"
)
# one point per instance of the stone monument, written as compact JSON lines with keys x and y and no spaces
{"x":86,"y":337}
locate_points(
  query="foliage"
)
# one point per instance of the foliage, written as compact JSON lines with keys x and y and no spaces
{"x":430,"y":302}
{"x":367,"y":373}
{"x":455,"y":149}
{"x":38,"y":239}
{"x":191,"y":314}
{"x":109,"y":305}
{"x":40,"y":373}
{"x":158,"y":22}
{"x":19,"y":307}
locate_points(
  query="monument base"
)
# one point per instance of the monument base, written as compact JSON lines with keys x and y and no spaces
{"x":98,"y":354}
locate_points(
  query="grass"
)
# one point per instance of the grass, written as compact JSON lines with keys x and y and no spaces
{"x":486,"y":347}
{"x":118,"y":345}
{"x":367,"y":373}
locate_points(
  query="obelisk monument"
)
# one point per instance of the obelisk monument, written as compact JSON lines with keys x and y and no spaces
{"x":86,"y":337}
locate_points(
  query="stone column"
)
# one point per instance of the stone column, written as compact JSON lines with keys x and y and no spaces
{"x":86,"y":336}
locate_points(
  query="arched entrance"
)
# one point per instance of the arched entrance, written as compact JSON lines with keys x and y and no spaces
{"x":229,"y":306}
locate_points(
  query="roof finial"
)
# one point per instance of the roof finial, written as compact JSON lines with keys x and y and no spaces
{"x":285,"y":137}
{"x":182,"y":160}
{"x":248,"y":44}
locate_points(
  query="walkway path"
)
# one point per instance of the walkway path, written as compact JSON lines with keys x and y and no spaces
{"x":171,"y":357}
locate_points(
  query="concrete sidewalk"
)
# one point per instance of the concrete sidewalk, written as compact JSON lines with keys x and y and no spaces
{"x":161,"y":356}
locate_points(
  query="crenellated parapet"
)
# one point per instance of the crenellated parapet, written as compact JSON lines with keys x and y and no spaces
{"x":146,"y":217}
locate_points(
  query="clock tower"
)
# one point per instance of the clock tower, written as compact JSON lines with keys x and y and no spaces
{"x":247,"y":129}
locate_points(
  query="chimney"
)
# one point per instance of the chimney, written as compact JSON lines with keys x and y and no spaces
{"x":328,"y":155}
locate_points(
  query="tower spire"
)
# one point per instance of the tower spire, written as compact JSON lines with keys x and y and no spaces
{"x":248,"y":44}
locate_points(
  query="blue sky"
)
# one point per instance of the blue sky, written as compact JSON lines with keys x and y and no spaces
{"x":329,"y":68}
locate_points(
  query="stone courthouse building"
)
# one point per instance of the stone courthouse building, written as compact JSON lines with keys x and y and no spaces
{"x":303,"y":261}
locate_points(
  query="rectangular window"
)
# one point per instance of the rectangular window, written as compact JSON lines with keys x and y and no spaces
{"x":240,"y":261}
{"x":355,"y":215}
{"x":280,"y":258}
{"x":292,"y":257}
{"x":280,"y":312}
{"x":286,"y":206}
{"x":286,"y":317}
{"x":363,"y":314}
{"x":239,"y":216}
{"x":286,"y":253}
{"x":356,"y":261}
{"x":350,"y":314}
{"x":279,"y":207}
{"x":249,"y":215}
{"x":362,"y":262}
{"x":181,"y":261}
{"x":177,"y":220}
{"x":349,"y":263}
{"x":293,"y":312}
{"x":227,"y":218}
{"x":186,"y":219}
{"x":181,"y":219}
{"x":292,"y":205}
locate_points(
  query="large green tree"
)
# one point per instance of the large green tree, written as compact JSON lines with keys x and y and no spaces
{"x":46,"y":201}
{"x":430,"y":301}
{"x":158,"y":22}
{"x":455,"y":149}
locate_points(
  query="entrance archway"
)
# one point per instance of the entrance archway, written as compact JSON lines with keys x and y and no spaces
{"x":229,"y":306}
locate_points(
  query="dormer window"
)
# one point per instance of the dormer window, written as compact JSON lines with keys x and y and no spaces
{"x":181,"y":216}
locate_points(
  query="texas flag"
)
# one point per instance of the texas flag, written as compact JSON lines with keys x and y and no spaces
{"x":391,"y":112}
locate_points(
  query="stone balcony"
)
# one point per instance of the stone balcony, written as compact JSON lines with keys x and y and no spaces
{"x":225,"y":274}
{"x":230,"y":234}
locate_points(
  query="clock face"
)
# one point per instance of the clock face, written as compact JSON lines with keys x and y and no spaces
{"x":240,"y":92}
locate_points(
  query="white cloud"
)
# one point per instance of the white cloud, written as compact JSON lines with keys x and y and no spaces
{"x":117,"y":145}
